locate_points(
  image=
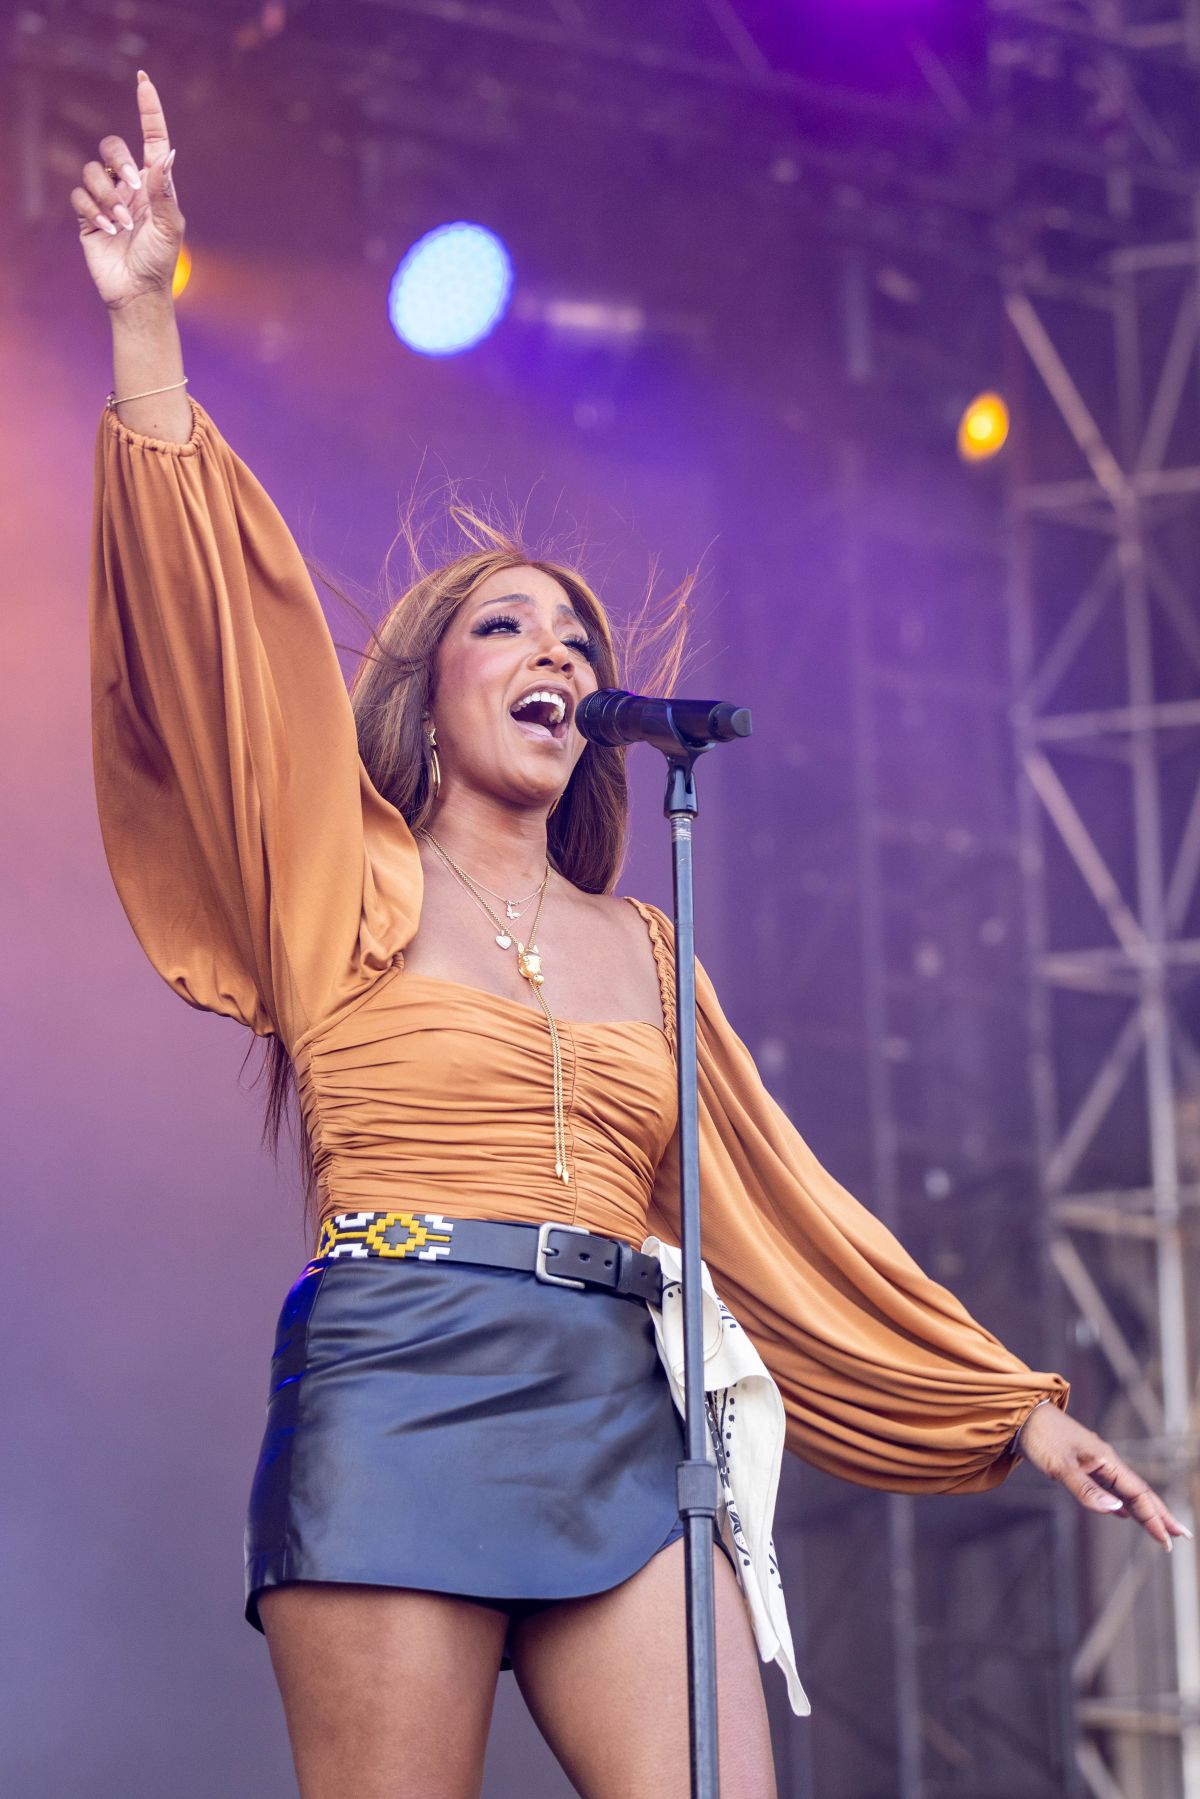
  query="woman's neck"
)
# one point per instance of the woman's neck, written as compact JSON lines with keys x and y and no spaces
{"x":500,"y":845}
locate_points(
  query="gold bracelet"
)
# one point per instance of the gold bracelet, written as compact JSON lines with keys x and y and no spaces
{"x":112,"y":401}
{"x":1014,"y":1443}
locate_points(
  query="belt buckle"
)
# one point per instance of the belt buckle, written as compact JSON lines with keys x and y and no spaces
{"x":539,"y":1266}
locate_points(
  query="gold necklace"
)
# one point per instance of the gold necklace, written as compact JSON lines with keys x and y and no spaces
{"x":512,"y":908}
{"x":504,"y":939}
{"x":529,"y":964}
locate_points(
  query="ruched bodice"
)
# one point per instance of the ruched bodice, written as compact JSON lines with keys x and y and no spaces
{"x":268,"y":880}
{"x":437,"y":1096}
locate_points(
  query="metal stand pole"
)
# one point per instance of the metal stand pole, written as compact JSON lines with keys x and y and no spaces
{"x":683,"y":730}
{"x":697,"y":1476}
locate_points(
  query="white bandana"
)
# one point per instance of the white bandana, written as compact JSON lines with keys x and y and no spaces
{"x":746,"y":1435}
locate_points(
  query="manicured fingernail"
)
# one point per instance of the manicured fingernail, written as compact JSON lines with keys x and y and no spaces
{"x":131,"y":175}
{"x":1185,"y":1532}
{"x":1169,"y":1546}
{"x":1108,"y":1502}
{"x":142,"y":75}
{"x":123,"y":215}
{"x":106,"y":225}
{"x":168,"y":159}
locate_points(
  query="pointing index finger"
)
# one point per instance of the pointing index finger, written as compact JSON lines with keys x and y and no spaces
{"x":155,"y":142}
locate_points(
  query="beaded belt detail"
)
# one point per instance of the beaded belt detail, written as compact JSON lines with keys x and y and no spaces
{"x":425,"y":1235}
{"x":563,"y":1255}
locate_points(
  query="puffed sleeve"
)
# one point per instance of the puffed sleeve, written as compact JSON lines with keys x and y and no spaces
{"x":886,"y":1379}
{"x":264,"y":876}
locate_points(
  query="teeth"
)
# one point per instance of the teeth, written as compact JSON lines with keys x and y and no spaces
{"x":546,"y":698}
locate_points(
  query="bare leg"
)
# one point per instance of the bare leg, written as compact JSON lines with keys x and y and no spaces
{"x":606,"y":1681}
{"x":388,"y":1692}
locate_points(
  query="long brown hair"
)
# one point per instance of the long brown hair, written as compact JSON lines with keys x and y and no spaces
{"x":392,"y":691}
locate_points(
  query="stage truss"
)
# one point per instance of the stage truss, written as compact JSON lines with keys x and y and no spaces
{"x":1105,"y":580}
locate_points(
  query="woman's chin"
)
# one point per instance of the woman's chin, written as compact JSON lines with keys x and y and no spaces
{"x":527,"y":796}
{"x":537,"y":786}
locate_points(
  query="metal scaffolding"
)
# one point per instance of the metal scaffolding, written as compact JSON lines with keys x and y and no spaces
{"x":1138,"y":600}
{"x":1106,"y":541}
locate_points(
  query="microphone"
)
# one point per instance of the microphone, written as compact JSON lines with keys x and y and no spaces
{"x":613,"y":718}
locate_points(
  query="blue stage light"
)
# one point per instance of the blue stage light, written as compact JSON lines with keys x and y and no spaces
{"x":450,"y":289}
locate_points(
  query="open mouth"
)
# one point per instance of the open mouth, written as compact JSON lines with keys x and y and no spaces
{"x":541,"y":716}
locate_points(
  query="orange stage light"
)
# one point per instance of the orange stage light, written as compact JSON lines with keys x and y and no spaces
{"x":183,"y":271}
{"x":983,"y":428}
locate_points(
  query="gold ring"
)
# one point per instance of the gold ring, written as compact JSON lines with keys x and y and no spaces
{"x":110,"y":171}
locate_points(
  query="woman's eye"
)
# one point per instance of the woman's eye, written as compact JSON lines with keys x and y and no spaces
{"x":504,"y":621}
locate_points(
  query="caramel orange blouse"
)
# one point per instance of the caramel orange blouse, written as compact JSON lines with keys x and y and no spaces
{"x":268,"y":881}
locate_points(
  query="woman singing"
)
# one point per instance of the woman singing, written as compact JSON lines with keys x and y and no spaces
{"x":471,"y":1439}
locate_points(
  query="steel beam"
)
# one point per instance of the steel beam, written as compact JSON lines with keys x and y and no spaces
{"x":1138,"y":1741}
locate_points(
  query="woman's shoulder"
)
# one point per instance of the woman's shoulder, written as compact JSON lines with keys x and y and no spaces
{"x":628,"y":926}
{"x":623,"y":913}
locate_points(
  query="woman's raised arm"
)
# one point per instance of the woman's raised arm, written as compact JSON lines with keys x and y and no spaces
{"x":263,"y":875}
{"x":131,"y":230}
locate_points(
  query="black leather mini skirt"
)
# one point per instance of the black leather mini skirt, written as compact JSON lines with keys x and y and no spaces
{"x":465,"y":1430}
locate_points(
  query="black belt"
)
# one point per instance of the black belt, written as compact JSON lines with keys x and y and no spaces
{"x":564,"y":1255}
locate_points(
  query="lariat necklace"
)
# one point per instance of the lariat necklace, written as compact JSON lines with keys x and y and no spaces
{"x":529,"y":965}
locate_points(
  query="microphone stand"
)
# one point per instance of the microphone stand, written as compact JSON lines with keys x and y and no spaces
{"x":696,"y":1475}
{"x":683,"y":730}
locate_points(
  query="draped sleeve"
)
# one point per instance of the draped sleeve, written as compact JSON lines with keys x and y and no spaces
{"x":264,"y":876}
{"x":886,"y":1378}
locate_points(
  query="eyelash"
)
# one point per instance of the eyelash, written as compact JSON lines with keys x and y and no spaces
{"x":584,"y":645}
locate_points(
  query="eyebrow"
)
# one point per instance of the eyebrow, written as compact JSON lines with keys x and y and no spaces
{"x":562,"y":610}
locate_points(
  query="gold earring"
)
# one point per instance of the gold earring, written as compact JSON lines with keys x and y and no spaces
{"x":433,"y":757}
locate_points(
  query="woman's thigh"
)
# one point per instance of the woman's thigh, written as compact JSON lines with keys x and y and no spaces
{"x":388,"y":1692}
{"x":606,"y":1680}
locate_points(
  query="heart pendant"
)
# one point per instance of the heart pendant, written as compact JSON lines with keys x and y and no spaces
{"x":504,"y":940}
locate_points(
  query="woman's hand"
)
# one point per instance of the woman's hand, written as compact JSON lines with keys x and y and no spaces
{"x":130,"y":225}
{"x":1092,"y":1470}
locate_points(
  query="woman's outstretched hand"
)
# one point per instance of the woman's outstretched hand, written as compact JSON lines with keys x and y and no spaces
{"x":130,"y":224}
{"x":1092,"y":1470}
